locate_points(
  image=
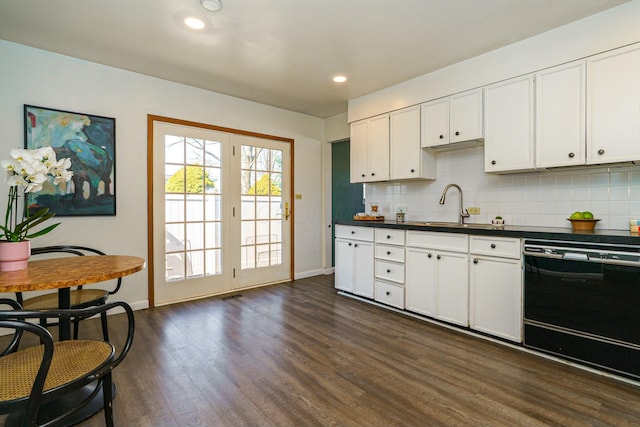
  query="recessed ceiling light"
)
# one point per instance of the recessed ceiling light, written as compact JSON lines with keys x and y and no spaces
{"x":211,"y":5}
{"x":339,"y":79}
{"x":195,"y":23}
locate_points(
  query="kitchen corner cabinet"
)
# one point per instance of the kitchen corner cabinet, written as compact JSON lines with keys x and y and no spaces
{"x":495,"y":286}
{"x":560,"y":115}
{"x":407,"y":159}
{"x":354,"y":260}
{"x":509,"y":125}
{"x":436,"y":282}
{"x":369,"y":150}
{"x":613,"y":107}
{"x":456,"y":118}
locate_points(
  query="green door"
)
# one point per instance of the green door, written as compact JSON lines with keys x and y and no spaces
{"x":346,"y":198}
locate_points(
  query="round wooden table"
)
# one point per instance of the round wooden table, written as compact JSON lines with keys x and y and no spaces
{"x":61,"y":274}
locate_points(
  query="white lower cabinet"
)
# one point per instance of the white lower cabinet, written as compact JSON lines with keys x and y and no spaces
{"x":495,"y":283}
{"x":436,"y":280}
{"x":354,"y":260}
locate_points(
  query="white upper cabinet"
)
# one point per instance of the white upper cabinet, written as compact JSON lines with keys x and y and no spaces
{"x":509,"y":125}
{"x":560,"y":115}
{"x":369,"y":149}
{"x":456,"y":118}
{"x":407,"y":159}
{"x":613,"y":106}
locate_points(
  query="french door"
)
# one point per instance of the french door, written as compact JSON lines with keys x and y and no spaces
{"x":221,"y":211}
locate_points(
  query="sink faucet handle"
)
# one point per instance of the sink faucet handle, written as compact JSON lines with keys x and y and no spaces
{"x":465,"y":213}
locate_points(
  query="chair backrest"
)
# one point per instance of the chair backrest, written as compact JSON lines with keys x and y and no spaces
{"x":71,"y":250}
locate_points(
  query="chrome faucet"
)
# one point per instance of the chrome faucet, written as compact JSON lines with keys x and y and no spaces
{"x":463,"y":212}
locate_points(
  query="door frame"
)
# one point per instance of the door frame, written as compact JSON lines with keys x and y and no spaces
{"x":151,"y":119}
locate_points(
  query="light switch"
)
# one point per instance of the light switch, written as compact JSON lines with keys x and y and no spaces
{"x":298,"y":196}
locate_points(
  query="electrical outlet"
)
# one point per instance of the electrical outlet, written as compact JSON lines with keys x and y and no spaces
{"x":474,"y":210}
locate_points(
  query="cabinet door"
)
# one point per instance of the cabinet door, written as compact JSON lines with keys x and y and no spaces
{"x":378,"y":149}
{"x":613,"y":107}
{"x":496,"y":297}
{"x":363,"y":269}
{"x":560,"y":115}
{"x":344,"y":278}
{"x":419,"y":285}
{"x":358,"y":151}
{"x":435,"y":123}
{"x":509,"y":132}
{"x":404,"y":146}
{"x":452,"y":280}
{"x":466,"y":116}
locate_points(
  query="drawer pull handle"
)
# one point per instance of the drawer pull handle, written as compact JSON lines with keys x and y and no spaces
{"x":493,"y":246}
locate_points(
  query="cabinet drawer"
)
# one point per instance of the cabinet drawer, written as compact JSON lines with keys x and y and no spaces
{"x":389,"y":294}
{"x":436,"y":240}
{"x":354,"y":232}
{"x":496,"y":246}
{"x":389,"y":236}
{"x":390,"y":253}
{"x":391,"y":271}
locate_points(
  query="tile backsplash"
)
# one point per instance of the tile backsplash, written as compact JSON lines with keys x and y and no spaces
{"x":545,"y":198}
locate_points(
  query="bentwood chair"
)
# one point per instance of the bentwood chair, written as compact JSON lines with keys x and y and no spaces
{"x":35,"y":377}
{"x":80,"y":298}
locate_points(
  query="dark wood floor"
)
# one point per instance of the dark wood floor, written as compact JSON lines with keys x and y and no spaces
{"x":298,"y":354}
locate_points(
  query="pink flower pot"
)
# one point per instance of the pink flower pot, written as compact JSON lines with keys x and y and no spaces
{"x":14,"y":255}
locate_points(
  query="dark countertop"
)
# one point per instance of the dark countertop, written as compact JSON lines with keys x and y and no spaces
{"x":546,"y":233}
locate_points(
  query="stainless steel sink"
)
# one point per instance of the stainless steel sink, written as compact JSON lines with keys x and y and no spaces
{"x":455,"y":225}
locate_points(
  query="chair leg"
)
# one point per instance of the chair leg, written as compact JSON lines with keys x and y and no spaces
{"x":76,"y":329}
{"x":105,"y":327}
{"x":107,"y":392}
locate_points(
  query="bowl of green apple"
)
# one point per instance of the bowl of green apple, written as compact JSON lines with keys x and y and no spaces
{"x":583,"y":221}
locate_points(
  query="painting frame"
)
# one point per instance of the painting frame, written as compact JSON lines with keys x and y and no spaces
{"x":89,"y":141}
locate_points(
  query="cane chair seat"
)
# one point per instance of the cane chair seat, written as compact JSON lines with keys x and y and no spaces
{"x":71,"y":360}
{"x":79,"y":298}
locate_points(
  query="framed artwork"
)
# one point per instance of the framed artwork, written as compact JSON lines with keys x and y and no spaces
{"x":90,"y":142}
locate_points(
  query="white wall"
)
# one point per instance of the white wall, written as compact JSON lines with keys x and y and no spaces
{"x":36,"y":77}
{"x":609,"y":29}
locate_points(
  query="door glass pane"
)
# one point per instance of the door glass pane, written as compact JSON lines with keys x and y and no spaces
{"x":261,"y":179}
{"x":193,"y":207}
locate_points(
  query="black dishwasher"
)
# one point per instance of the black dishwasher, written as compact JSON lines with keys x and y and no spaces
{"x":582,"y":302}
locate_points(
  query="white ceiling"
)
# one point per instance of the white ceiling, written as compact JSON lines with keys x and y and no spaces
{"x":284,"y":52}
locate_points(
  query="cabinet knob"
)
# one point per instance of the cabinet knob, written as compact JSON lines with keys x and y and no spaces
{"x":457,"y":133}
{"x":350,"y":244}
{"x":601,"y":151}
{"x":388,"y":293}
{"x":441,"y":136}
{"x":438,"y":257}
{"x":388,"y":236}
{"x":363,"y":175}
{"x":493,"y":246}
{"x":475,"y":260}
{"x":373,"y":174}
{"x":493,"y":162}
{"x":571,"y":155}
{"x":388,"y":271}
{"x":353,"y":232}
{"x":413,"y":170}
{"x":429,"y":256}
{"x":355,"y":245}
{"x":388,"y":252}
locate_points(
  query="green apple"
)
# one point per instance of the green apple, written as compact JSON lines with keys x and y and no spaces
{"x":576,"y":215}
{"x":587,"y":215}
